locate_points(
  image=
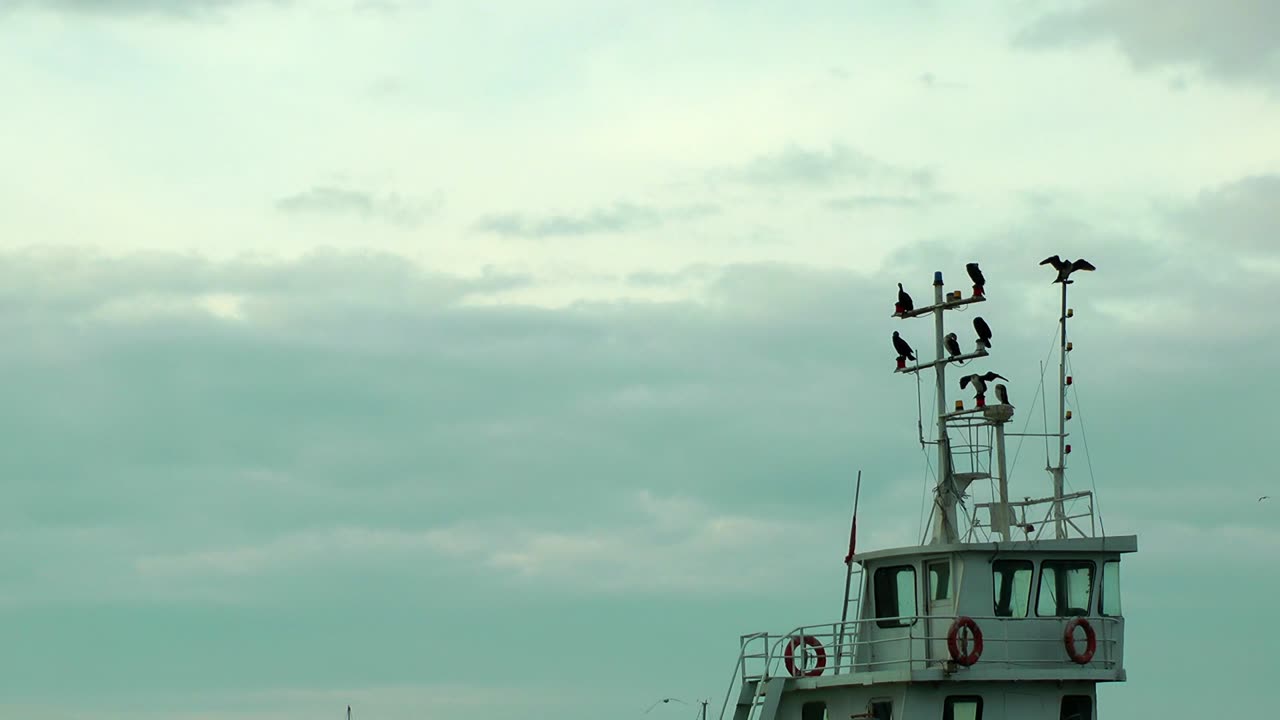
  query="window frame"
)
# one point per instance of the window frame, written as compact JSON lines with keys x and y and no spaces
{"x":1058,"y":563}
{"x":1102,"y":588}
{"x":894,"y":621}
{"x":949,"y":706}
{"x":871,"y":707}
{"x":995,"y":598}
{"x":929,"y":598}
{"x":1062,"y":705}
{"x":807,"y":708}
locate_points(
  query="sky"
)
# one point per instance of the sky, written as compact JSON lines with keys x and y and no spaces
{"x":509,"y":360}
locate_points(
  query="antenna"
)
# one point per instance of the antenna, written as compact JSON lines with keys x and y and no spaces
{"x":1065,"y":268}
{"x":951,"y":485}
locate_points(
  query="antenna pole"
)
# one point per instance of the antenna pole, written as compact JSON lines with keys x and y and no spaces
{"x":947,"y":528}
{"x":1059,"y":517}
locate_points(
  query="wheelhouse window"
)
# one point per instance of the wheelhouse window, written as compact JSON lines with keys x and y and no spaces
{"x":939,"y":580}
{"x":813,"y":711}
{"x":881,"y":710}
{"x":1066,"y":587}
{"x":962,"y":707}
{"x":1076,"y":707}
{"x":895,"y":593}
{"x":1109,"y":594}
{"x":1012,"y":587}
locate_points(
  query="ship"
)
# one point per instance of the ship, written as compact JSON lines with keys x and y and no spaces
{"x":1009,"y":611}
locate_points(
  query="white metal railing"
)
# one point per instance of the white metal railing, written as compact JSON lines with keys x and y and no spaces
{"x":1029,"y":508}
{"x":859,"y":646}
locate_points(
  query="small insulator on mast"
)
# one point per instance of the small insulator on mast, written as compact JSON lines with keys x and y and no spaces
{"x":1068,"y":415}
{"x":1068,"y":379}
{"x":1068,"y":347}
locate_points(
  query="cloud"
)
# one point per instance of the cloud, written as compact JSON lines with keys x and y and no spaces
{"x":1233,"y":40}
{"x":337,"y":201}
{"x":619,"y":218}
{"x":188,"y":9}
{"x":1243,"y":214}
{"x":804,"y":167}
{"x":871,"y":202}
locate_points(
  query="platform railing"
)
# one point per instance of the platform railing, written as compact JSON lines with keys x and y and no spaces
{"x":921,"y":643}
{"x":1026,"y":513}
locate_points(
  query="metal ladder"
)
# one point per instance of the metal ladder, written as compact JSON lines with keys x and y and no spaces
{"x":853,"y":607}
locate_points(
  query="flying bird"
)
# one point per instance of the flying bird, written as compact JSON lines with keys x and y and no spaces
{"x":902,"y":347}
{"x":905,"y":300}
{"x":1002,"y":394}
{"x":976,"y":275}
{"x":1066,"y":267}
{"x":1264,"y":497}
{"x":664,"y":700}
{"x":989,"y":376}
{"x":952,"y":344}
{"x":984,"y":332}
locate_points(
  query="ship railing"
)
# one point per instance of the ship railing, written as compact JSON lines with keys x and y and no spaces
{"x":1026,"y":514}
{"x":921,"y":643}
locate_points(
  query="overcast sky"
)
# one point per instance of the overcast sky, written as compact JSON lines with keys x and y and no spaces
{"x":510,"y":360}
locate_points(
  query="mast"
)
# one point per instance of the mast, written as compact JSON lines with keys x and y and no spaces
{"x":949,"y":531}
{"x":1059,"y":516}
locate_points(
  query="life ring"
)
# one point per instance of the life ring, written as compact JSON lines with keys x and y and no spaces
{"x":789,"y":656}
{"x":953,"y":641}
{"x":1090,"y":641}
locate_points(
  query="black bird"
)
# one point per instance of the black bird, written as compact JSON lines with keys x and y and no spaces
{"x":976,"y":275}
{"x":1066,"y":267}
{"x":984,"y":332}
{"x":1002,"y":394}
{"x":952,"y":344}
{"x":905,"y":300}
{"x":979,"y":385}
{"x":902,"y":347}
{"x":979,"y":382}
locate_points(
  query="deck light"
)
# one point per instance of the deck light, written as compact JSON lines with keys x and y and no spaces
{"x":902,"y":362}
{"x":978,"y":291}
{"x":1068,"y":450}
{"x":1068,"y":347}
{"x":897,"y":308}
{"x":959,"y":405}
{"x":1070,"y":312}
{"x":1068,"y":414}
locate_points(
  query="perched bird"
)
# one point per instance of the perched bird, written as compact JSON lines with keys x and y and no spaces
{"x":952,"y":344}
{"x":905,"y":300}
{"x":984,"y":332}
{"x":976,"y":275}
{"x":1066,"y":267}
{"x":1002,"y":394}
{"x":979,"y":385}
{"x":902,"y":347}
{"x":979,"y":382}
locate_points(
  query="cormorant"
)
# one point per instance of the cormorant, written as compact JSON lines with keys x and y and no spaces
{"x":989,"y":376}
{"x":952,"y":344}
{"x":905,"y":300}
{"x":1066,"y":267}
{"x":984,"y":332}
{"x":1002,"y":394}
{"x":976,"y":275}
{"x":979,"y":385}
{"x":902,"y":347}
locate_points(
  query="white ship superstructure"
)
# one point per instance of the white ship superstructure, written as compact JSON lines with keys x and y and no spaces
{"x":1011,"y":611}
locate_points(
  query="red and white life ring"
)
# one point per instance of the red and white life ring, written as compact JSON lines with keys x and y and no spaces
{"x":963,"y":655}
{"x":1090,"y":641}
{"x":789,"y":656}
